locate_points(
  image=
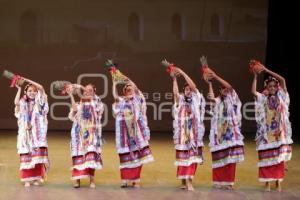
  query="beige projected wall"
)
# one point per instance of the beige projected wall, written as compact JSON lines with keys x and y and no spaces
{"x":70,"y":39}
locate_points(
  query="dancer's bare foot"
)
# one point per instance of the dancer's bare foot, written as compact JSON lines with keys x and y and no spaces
{"x":135,"y":185}
{"x":124,"y":185}
{"x":92,"y":185}
{"x":36,"y":183}
{"x":76,"y":183}
{"x":268,"y":187}
{"x":216,"y":186}
{"x":183,"y":184}
{"x":190,"y":185}
{"x":228,"y":187}
{"x":92,"y":182}
{"x":278,"y":186}
{"x":27,"y":184}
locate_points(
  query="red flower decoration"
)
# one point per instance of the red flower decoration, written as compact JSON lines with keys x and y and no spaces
{"x":254,"y":65}
{"x":206,"y":72}
{"x":14,"y":80}
{"x":171,"y":68}
{"x":204,"y":69}
{"x":113,"y":70}
{"x":65,"y":89}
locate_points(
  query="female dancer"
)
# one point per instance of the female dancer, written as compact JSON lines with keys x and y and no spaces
{"x":273,"y":136}
{"x":188,"y":128}
{"x":226,"y":141}
{"x":31,"y":111}
{"x":132,"y":132}
{"x":85,"y":134}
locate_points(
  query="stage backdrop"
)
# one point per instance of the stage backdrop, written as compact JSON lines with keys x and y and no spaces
{"x":70,"y":40}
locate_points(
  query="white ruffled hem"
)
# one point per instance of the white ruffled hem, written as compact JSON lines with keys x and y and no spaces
{"x":227,"y":161}
{"x":34,"y":162}
{"x":138,"y":163}
{"x":80,"y":177}
{"x":36,"y":178}
{"x":222,"y":183}
{"x":91,"y":165}
{"x":82,"y":153}
{"x":273,"y":145}
{"x":131,"y":180}
{"x":225,"y":145}
{"x":269,"y":179}
{"x":185,"y":177}
{"x":282,"y":158}
{"x":188,"y":162}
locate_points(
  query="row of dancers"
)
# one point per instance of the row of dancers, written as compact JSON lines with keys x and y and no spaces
{"x":273,"y":136}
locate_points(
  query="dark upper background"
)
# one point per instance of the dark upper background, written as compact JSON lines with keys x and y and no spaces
{"x":59,"y":40}
{"x":282,"y":45}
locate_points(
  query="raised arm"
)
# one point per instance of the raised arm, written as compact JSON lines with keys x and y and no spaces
{"x":74,"y":107}
{"x":254,"y":85}
{"x":37,"y":85}
{"x":175,"y":89}
{"x":211,"y":94}
{"x":189,"y":81}
{"x":70,"y":91}
{"x":18,"y":95}
{"x":136,"y":89}
{"x":115,"y":91}
{"x":222,"y":82}
{"x":278,"y":77}
{"x":78,"y":86}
